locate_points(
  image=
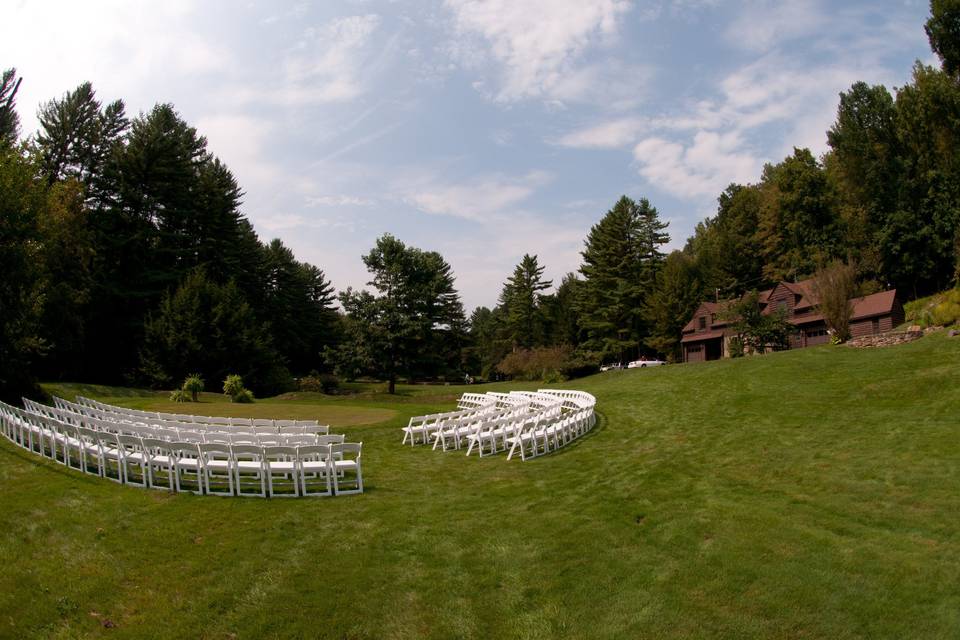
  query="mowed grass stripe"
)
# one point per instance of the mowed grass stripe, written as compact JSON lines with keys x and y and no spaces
{"x":804,"y":494}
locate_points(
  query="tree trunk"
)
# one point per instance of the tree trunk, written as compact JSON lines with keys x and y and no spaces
{"x":392,"y":385}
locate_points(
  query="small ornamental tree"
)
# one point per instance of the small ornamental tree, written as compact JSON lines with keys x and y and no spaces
{"x":833,"y":286}
{"x":757,"y":331}
{"x":233,"y":387}
{"x":193,"y":385}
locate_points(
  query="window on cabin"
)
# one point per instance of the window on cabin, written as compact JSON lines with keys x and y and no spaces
{"x":713,"y":318}
{"x":782,"y":305}
{"x":703,"y":322}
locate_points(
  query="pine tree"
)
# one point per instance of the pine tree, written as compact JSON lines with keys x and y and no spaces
{"x":521,"y":299}
{"x":9,"y":119}
{"x":620,"y":263}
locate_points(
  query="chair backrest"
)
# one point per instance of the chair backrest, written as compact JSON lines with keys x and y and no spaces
{"x":279,"y":453}
{"x":243,"y":438}
{"x":217,"y":437}
{"x":336,"y":438}
{"x":289,"y":428}
{"x":247,"y":452}
{"x":214,"y":451}
{"x":263,"y":422}
{"x":240,"y":422}
{"x":319,"y":429}
{"x":346,"y":448}
{"x":155,"y":446}
{"x":184,"y":449}
{"x":265,"y":429}
{"x":285,"y":423}
{"x":129,"y":443}
{"x":269,"y":440}
{"x":190,"y":436}
{"x":305,"y":423}
{"x":314,"y":452}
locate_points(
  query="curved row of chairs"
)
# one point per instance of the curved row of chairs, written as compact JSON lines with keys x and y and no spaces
{"x":214,"y":462}
{"x":530,"y":423}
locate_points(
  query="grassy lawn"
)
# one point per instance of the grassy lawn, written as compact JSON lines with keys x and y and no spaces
{"x":809,"y":494}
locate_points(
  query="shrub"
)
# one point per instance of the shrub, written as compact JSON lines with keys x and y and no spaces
{"x":244,"y":396}
{"x":233,"y":387}
{"x":542,"y":363}
{"x":179,"y":395}
{"x":320,"y":383}
{"x":193,"y":385}
{"x":329,"y":383}
{"x":736,"y":347}
{"x":310,"y":383}
{"x":948,"y":311}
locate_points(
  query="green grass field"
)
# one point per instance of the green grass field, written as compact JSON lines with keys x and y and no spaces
{"x":807,"y":494}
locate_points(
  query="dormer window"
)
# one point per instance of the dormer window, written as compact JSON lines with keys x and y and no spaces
{"x":703,"y":322}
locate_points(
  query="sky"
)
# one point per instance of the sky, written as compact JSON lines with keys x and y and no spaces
{"x":479,"y":129}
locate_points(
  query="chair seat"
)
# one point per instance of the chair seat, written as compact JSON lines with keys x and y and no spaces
{"x":314,"y":465}
{"x":219,"y":465}
{"x":282,"y":467}
{"x":249,"y":465}
{"x":161,"y":460}
{"x":188,"y":463}
{"x":345,"y":464}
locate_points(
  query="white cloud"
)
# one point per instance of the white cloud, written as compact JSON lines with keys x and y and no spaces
{"x":765,"y":23}
{"x":493,"y":196}
{"x":535,"y":43}
{"x":339,"y":201}
{"x":326,"y":64}
{"x":702,"y":169}
{"x":612,"y":134}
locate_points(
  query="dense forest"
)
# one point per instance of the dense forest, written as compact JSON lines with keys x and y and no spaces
{"x":126,"y":258}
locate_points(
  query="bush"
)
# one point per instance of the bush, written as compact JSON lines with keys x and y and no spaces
{"x":543,"y":363}
{"x":320,"y":383}
{"x":193,"y":385}
{"x":947,"y":312}
{"x":244,"y":396}
{"x":736,"y":347}
{"x":179,"y":395}
{"x":233,"y":387}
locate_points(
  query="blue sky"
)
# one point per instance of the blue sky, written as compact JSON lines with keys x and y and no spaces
{"x":482,"y":130}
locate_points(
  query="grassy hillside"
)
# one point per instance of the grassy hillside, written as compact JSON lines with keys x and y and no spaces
{"x":807,"y":494}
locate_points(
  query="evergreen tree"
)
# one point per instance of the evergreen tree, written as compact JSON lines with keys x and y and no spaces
{"x":210,"y":329}
{"x":620,"y":263}
{"x":9,"y":119}
{"x":520,"y":299}
{"x":677,"y":295}
{"x":410,"y":327}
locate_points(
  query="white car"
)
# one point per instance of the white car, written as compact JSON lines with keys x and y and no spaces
{"x":640,"y":364}
{"x":611,"y":367}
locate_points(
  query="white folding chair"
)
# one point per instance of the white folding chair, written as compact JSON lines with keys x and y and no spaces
{"x":133,"y":455}
{"x":313,"y":462}
{"x":345,"y":460}
{"x":187,"y":463}
{"x":248,"y":465}
{"x":283,"y":476}
{"x":217,"y":463}
{"x":159,"y":459}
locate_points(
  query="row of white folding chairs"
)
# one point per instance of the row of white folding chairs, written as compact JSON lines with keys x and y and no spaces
{"x":545,"y":436}
{"x":200,"y":420}
{"x":474,"y":400}
{"x":423,"y":429}
{"x":217,"y":469}
{"x":223,"y":437}
{"x":494,"y":437}
{"x":85,"y":413}
{"x":454,"y":434}
{"x":420,"y":429}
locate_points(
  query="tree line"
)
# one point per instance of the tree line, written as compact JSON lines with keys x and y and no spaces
{"x":126,"y":258}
